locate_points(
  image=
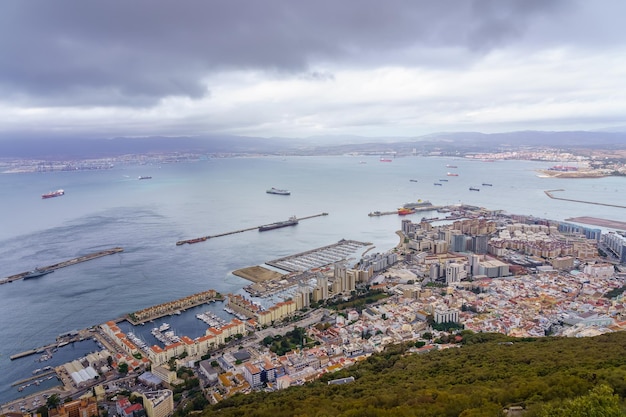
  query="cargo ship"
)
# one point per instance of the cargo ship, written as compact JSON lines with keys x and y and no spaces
{"x":474,"y":189}
{"x":486,"y":184}
{"x":418,"y":203}
{"x":278,"y":191}
{"x":51,"y":194}
{"x":451,"y":166}
{"x":385,"y":160}
{"x":37,"y":273}
{"x":452,"y":174}
{"x":146,"y":177}
{"x":291,"y":222}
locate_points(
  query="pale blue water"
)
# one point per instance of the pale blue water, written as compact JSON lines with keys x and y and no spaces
{"x":104,"y":209}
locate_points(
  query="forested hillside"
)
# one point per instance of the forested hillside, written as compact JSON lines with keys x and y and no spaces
{"x":488,"y":373}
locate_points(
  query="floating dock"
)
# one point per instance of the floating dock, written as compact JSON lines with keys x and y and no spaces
{"x":205,"y":238}
{"x":64,"y":264}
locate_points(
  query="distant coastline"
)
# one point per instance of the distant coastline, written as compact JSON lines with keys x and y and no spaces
{"x":549,"y":173}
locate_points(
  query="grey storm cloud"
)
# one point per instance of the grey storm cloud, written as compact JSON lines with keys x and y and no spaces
{"x":133,"y":53}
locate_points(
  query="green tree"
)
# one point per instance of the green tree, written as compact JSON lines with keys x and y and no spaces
{"x":53,"y":401}
{"x":123,"y":368}
{"x":600,"y":401}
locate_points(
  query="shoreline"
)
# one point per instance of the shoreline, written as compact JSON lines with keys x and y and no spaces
{"x":547,"y":173}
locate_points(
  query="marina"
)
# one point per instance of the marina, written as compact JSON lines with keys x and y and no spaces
{"x":205,"y":238}
{"x":318,"y":258}
{"x":51,"y":268}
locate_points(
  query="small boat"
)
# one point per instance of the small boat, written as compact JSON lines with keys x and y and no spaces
{"x":413,"y":180}
{"x":438,"y":183}
{"x":278,"y":191}
{"x":452,"y":174}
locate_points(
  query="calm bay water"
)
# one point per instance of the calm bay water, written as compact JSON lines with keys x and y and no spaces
{"x":108,"y":208}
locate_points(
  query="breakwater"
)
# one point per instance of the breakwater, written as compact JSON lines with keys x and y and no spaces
{"x":550,"y":193}
{"x":205,"y":238}
{"x":64,"y":264}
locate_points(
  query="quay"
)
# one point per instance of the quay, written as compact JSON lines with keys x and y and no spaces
{"x":74,"y":336}
{"x":22,"y":354}
{"x":64,"y":264}
{"x":417,"y":209}
{"x":32,"y":378}
{"x":205,"y":238}
{"x":550,"y":194}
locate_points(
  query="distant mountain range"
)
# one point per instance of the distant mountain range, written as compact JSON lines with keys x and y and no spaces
{"x":460,"y":142}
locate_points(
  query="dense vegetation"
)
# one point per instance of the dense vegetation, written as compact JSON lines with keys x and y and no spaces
{"x":546,"y":376}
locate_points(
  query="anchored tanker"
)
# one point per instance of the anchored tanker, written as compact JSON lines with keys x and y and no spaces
{"x":291,"y":222}
{"x":51,"y":194}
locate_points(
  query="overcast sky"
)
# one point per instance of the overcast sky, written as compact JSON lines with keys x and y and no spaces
{"x":300,"y":68}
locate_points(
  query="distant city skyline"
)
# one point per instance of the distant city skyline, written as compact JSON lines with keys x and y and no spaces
{"x":303,"y":69}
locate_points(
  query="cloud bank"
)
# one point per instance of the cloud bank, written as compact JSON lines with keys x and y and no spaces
{"x":286,"y":68}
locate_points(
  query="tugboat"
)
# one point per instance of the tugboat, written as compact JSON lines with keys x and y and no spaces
{"x":403,"y":211}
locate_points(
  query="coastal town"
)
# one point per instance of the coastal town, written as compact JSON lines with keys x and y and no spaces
{"x":471,"y":269}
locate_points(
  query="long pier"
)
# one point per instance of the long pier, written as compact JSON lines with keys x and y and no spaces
{"x":33,"y":378}
{"x":64,"y":264}
{"x":550,"y":194}
{"x":205,"y":238}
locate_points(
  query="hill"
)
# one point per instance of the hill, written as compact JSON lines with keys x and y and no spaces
{"x":481,"y":378}
{"x":454,"y":143}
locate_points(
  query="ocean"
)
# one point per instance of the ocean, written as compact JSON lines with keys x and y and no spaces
{"x":102,"y":209}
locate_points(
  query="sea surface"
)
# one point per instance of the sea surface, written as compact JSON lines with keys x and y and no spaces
{"x":109,"y":208}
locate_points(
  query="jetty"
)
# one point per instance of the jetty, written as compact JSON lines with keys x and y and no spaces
{"x":64,"y":264}
{"x":205,"y":238}
{"x":416,"y":209}
{"x":550,"y":193}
